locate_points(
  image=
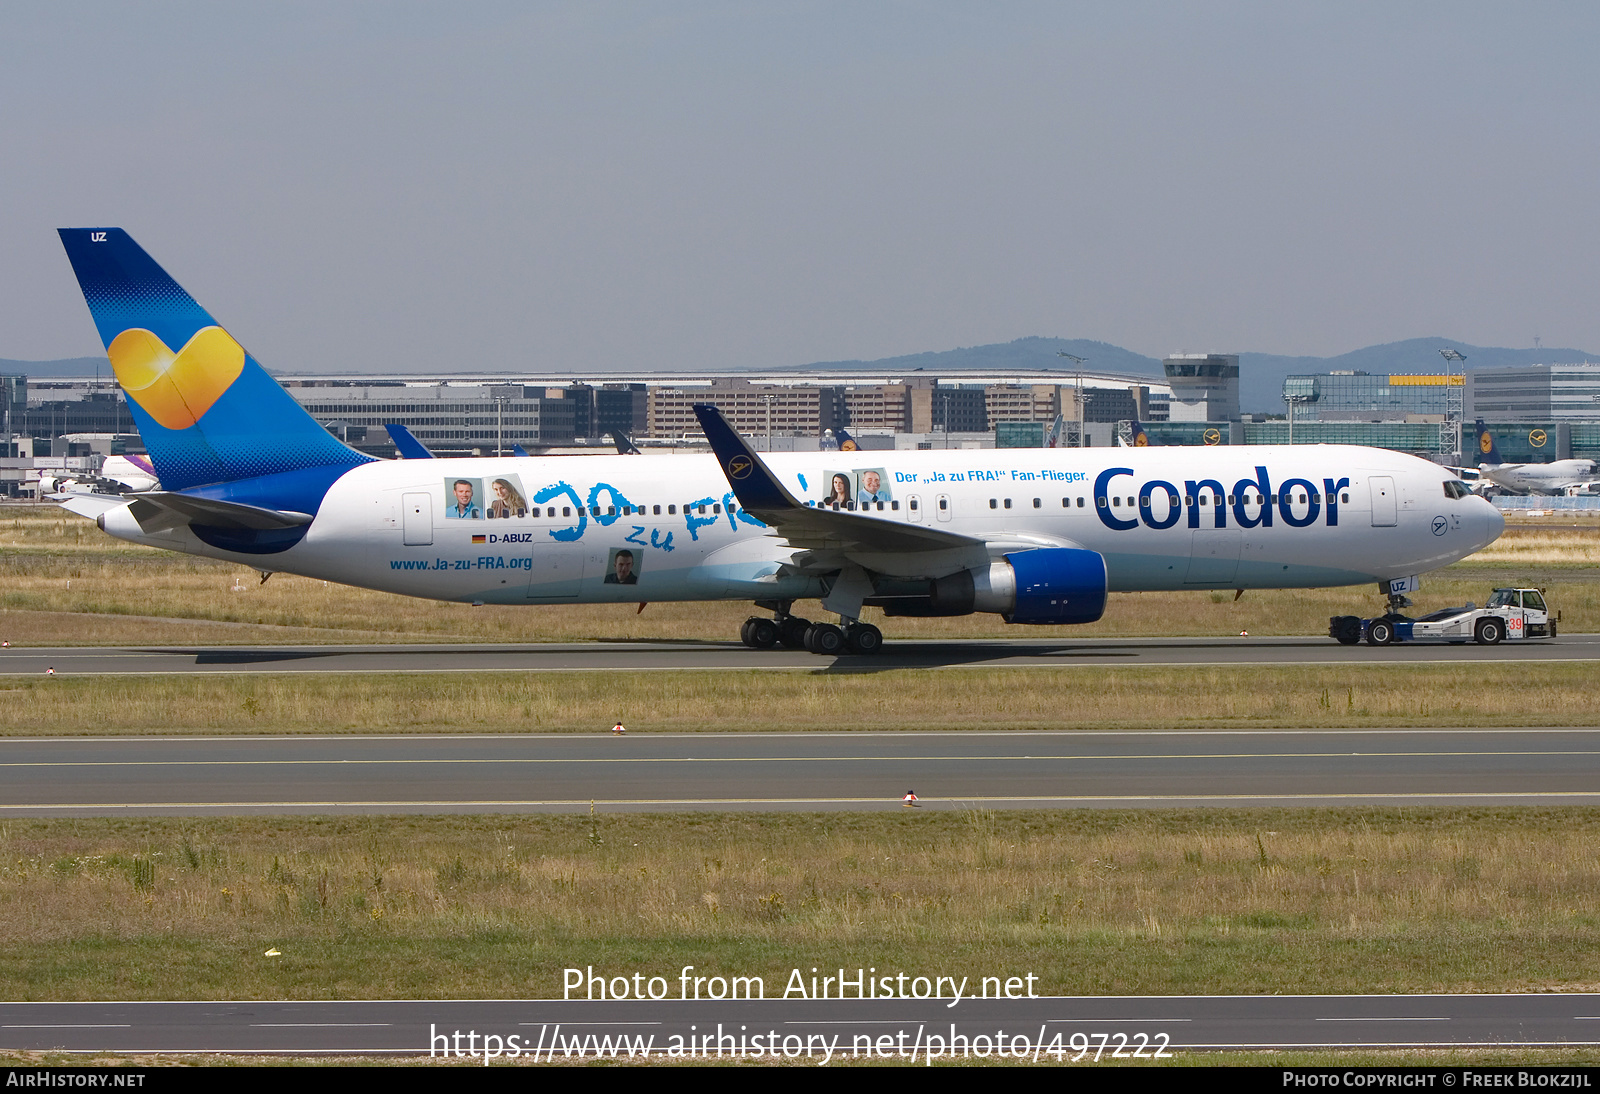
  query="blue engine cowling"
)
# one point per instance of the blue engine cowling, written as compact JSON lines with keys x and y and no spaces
{"x":1058,"y":585}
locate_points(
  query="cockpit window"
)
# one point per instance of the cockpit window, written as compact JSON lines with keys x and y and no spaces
{"x":1454,"y":488}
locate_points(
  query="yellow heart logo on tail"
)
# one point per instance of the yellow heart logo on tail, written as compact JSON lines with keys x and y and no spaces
{"x":176,"y":389}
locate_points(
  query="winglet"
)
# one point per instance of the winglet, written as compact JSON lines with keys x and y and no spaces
{"x":408,"y":446}
{"x":753,"y":483}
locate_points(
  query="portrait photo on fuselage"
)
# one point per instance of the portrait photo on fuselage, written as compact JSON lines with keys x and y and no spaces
{"x":463,"y":499}
{"x":622,"y":568}
{"x":872,"y":484}
{"x":506,"y":498}
{"x":837,"y":491}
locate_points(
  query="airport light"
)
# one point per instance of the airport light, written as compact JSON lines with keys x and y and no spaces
{"x":1077,"y":392}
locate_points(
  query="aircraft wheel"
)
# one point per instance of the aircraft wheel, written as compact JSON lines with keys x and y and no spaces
{"x":1488,"y":632}
{"x":825,"y":639}
{"x":744,"y":632}
{"x":864,"y":638}
{"x":763,"y":634}
{"x":792,"y":632}
{"x":1380,"y":632}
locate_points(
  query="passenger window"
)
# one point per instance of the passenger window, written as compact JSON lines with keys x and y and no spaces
{"x":716,"y":509}
{"x":1345,"y":498}
{"x":611,"y":510}
{"x":1101,"y":501}
{"x":1116,"y":500}
{"x":913,"y":503}
{"x":657,"y":510}
{"x":894,"y":505}
{"x":880,"y":507}
{"x":1008,"y":503}
{"x":672,"y":510}
{"x":1066,"y":503}
{"x":992,"y":504}
{"x":702,"y":510}
{"x":944,"y":503}
{"x":1036,"y":503}
{"x":522,"y":512}
{"x":1080,"y":503}
{"x":566,"y":510}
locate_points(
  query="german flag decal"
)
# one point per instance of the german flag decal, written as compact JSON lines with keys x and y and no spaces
{"x":480,"y":539}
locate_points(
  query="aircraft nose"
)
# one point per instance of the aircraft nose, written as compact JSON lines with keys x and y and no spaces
{"x":1494,"y":522}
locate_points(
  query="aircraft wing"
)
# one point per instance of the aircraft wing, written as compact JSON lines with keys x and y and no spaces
{"x":813,"y":527}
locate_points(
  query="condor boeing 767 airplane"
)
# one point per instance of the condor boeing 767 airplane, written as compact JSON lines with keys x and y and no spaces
{"x":1034,"y":535}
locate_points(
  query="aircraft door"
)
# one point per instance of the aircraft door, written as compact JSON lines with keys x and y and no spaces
{"x":943,"y":507}
{"x":556,"y":572}
{"x":416,"y":519}
{"x":1383,"y":507}
{"x":1213,"y":557}
{"x":914,"y":508}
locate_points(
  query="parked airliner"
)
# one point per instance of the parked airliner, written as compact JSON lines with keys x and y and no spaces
{"x":1556,"y":477}
{"x":1036,"y":535}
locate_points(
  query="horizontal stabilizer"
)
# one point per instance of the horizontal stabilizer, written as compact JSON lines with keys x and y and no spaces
{"x":161,"y":510}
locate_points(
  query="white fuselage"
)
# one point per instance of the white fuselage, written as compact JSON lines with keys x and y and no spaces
{"x":1335,"y":515}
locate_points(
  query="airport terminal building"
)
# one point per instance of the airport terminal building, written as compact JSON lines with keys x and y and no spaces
{"x":1538,"y":412}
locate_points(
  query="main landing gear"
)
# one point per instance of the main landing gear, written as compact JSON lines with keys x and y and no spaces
{"x":794,"y":633}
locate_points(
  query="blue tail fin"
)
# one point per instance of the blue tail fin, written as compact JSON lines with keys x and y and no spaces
{"x":1139,"y":438}
{"x":408,"y":446}
{"x":1488,"y":454}
{"x":208,"y":413}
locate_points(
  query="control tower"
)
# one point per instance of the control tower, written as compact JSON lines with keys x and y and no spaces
{"x":1205,"y":386}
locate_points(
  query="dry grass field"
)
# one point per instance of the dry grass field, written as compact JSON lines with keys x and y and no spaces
{"x":63,"y":582}
{"x":1230,"y":901}
{"x":1084,"y":697}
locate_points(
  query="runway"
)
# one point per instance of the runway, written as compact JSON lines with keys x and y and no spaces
{"x":794,"y":771}
{"x":830,"y":1031}
{"x":628,"y":656}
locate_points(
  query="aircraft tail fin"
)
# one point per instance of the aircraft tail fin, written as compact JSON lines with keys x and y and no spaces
{"x":207,"y":411}
{"x":847,"y":443}
{"x":1138,"y":438}
{"x":1488,"y":453}
{"x":408,"y":446}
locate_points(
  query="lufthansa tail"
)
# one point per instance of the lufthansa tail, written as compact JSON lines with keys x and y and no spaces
{"x":208,"y":413}
{"x":1488,"y":454}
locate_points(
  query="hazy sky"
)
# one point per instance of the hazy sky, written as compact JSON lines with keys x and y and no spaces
{"x":685,"y":185}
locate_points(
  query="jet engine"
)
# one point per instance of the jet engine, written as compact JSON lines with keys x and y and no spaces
{"x":1051,"y":585}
